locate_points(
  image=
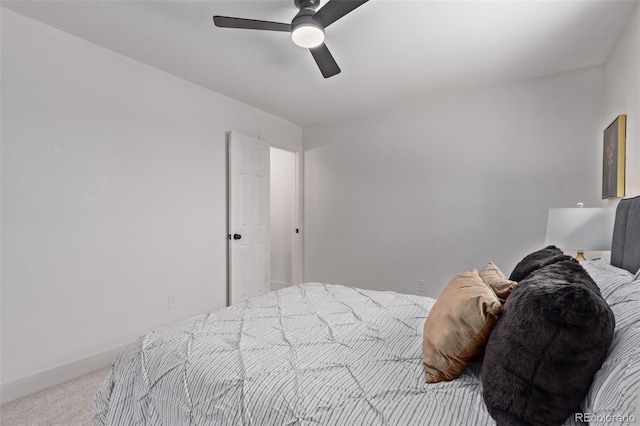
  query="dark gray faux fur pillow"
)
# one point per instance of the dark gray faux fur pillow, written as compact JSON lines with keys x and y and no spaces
{"x":552,"y":337}
{"x":536,"y":260}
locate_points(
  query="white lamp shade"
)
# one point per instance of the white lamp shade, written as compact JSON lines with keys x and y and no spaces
{"x":581,"y":228}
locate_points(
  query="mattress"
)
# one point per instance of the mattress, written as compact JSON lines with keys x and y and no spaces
{"x":305,"y":355}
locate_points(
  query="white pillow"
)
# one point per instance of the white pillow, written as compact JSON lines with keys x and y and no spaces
{"x":608,"y":277}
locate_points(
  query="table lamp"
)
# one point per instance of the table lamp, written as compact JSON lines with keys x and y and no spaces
{"x":580,"y":229}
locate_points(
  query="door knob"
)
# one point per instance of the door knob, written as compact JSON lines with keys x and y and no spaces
{"x":237,"y":236}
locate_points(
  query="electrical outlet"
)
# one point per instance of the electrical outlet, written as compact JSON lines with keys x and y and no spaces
{"x":422,"y":286}
{"x":171,"y":301}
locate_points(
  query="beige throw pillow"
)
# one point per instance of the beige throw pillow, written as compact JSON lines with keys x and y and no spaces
{"x":458,"y":326}
{"x":494,"y":278}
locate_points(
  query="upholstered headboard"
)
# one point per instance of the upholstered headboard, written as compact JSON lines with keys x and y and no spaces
{"x":625,"y":248}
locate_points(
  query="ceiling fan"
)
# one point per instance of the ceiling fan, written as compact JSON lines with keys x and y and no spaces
{"x":306,"y":28}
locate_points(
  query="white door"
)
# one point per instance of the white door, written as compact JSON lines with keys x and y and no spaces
{"x":249,"y":246}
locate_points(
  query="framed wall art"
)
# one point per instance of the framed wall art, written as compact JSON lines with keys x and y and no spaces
{"x":613,"y":158}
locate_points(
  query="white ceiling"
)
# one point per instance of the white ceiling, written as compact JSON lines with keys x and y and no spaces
{"x":391,"y":51}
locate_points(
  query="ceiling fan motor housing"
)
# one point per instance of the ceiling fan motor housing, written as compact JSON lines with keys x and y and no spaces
{"x":307,"y":4}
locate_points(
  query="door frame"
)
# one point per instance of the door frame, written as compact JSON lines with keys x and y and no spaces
{"x":297,"y":239}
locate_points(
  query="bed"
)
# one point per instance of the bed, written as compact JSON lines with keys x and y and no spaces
{"x":319,"y":354}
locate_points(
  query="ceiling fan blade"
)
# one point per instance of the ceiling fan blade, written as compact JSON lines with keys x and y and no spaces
{"x":324,"y":59}
{"x":335,"y":10}
{"x":250,"y":24}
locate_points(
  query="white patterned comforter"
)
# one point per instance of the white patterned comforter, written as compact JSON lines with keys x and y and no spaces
{"x":313,"y":354}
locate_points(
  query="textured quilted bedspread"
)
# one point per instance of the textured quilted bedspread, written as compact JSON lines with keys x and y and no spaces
{"x":313,"y":354}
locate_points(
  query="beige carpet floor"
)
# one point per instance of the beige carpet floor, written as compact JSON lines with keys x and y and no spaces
{"x":68,"y":404}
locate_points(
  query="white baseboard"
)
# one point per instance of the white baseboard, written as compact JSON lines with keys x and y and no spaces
{"x":44,"y":379}
{"x":278,"y":285}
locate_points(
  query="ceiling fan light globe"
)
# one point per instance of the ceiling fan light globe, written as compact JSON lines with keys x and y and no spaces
{"x":307,"y":35}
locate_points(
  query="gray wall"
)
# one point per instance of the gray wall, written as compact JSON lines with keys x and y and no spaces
{"x":449,"y":184}
{"x":113,"y":196}
{"x":622,"y":78}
